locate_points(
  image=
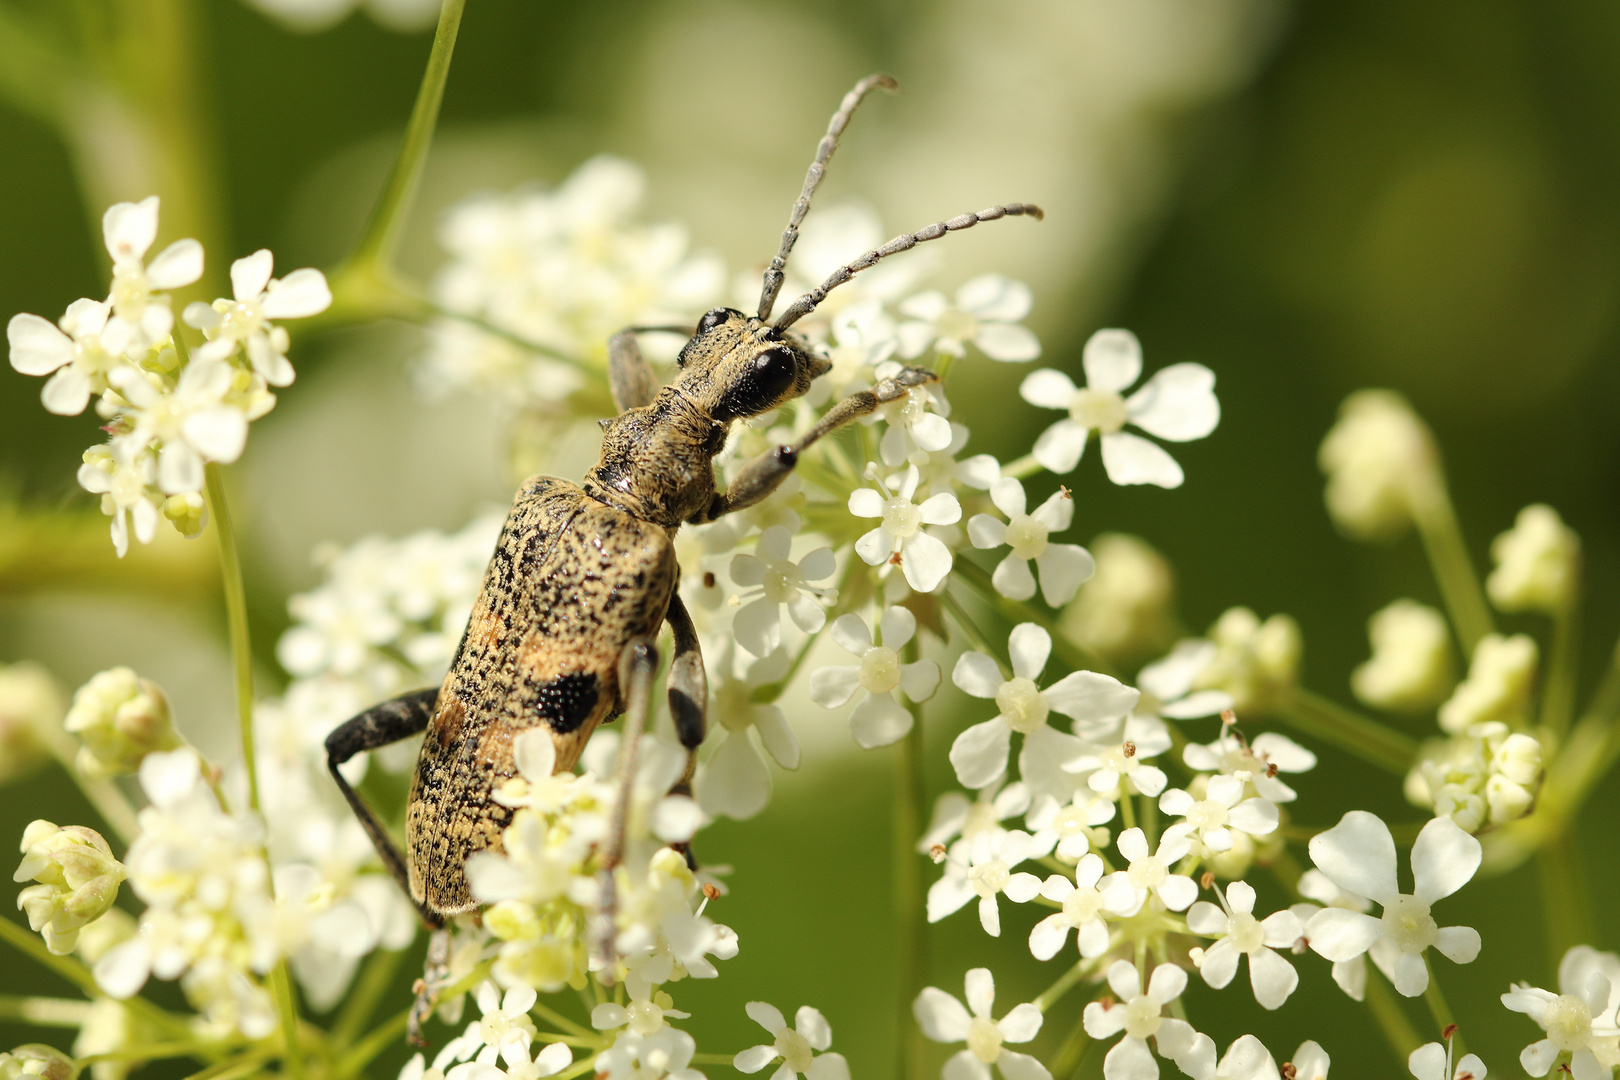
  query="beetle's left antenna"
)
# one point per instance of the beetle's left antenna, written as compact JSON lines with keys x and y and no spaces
{"x":774,"y":275}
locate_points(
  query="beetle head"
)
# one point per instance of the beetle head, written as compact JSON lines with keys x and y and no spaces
{"x":736,"y":365}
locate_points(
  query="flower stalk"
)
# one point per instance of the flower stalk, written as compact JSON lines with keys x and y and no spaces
{"x":236,"y":616}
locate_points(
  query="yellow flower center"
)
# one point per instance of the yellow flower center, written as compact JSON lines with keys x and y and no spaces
{"x":1021,"y":704}
{"x":1409,"y":923}
{"x":1100,"y":409}
{"x":880,"y":670}
{"x":1026,"y":537}
{"x":1142,"y":1017}
{"x":795,"y":1050}
{"x":984,"y":1040}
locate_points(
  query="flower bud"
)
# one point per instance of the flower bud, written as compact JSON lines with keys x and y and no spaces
{"x":1380,"y":461}
{"x":36,"y":1061}
{"x":78,"y":879}
{"x":1497,"y":687}
{"x":121,"y":718}
{"x":1126,"y":611}
{"x":187,"y":512}
{"x":1410,"y":668}
{"x":1538,"y":563}
{"x":1256,"y":662}
{"x":1518,"y":758}
{"x":1508,"y":801}
{"x":1462,"y":805}
{"x":29,"y":704}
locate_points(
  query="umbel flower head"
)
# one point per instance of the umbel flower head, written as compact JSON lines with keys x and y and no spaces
{"x":1580,"y":1020}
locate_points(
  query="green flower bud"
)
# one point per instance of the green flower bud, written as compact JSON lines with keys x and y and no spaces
{"x":78,"y":879}
{"x":121,"y":718}
{"x":187,"y":512}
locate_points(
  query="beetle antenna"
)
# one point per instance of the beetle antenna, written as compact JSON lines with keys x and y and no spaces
{"x":774,"y":275}
{"x":805,"y":304}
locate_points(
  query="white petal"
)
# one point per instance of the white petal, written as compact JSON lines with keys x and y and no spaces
{"x":1131,"y":459}
{"x":1048,"y":936}
{"x":535,"y":754}
{"x":1008,"y":495}
{"x":807,"y":613}
{"x":1177,"y":891}
{"x":931,"y":432}
{"x":828,"y":1067}
{"x":1166,"y":983}
{"x":758,"y":627}
{"x":976,"y":674}
{"x":1339,"y":934}
{"x":1060,"y":446}
{"x":1197,"y":704}
{"x":754,"y":1059}
{"x":897,"y":624}
{"x":554,"y":1059}
{"x":766,"y":1016}
{"x":1090,"y":698}
{"x":919,"y":680}
{"x":875,"y":547}
{"x":747,"y":570}
{"x":1064,"y":568}
{"x":831,"y":687}
{"x":1428,"y":1062}
{"x":67,"y":392}
{"x":1022,"y":1024}
{"x":1048,"y":389}
{"x":268,"y":361}
{"x":130,"y":228}
{"x":1016,"y":1066}
{"x":180,"y":469}
{"x":994,"y":296}
{"x":176,"y":266}
{"x":219,"y":433}
{"x":250,"y":274}
{"x":1124,"y":980}
{"x":734,"y":782}
{"x":1220,"y":963}
{"x":1536,"y":1058}
{"x":1411,"y":975}
{"x":962,"y":1065}
{"x":866,"y":503}
{"x":1459,"y":944}
{"x":298,"y":295}
{"x":1284,"y":752}
{"x":1282,"y":929}
{"x":879,"y":721}
{"x":813,"y":1026}
{"x":979,"y":754}
{"x":851,"y":632}
{"x":37,"y":347}
{"x":1358,"y":855}
{"x":941,"y":509}
{"x":1007,"y":342}
{"x":123,"y":969}
{"x":1443,"y":860}
{"x":818,"y":564}
{"x":1257,"y":817}
{"x":1029,"y":646}
{"x":1112,"y":359}
{"x":1022,"y":888}
{"x":1471,"y":1068}
{"x":1271,"y":977}
{"x":926,"y":561}
{"x":1351,"y":975}
{"x":777,"y":736}
{"x":1130,"y":1059}
{"x":1178,"y":403}
{"x":942,"y":1017}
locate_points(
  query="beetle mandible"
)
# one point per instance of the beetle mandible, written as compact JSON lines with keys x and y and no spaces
{"x":583,"y":577}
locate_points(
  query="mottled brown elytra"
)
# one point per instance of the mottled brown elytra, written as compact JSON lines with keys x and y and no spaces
{"x":583,"y":577}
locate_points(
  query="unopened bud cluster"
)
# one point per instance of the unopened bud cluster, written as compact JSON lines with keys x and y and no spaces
{"x":78,"y":881}
{"x":120,"y":717}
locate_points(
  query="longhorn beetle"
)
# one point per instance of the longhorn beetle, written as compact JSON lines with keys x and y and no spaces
{"x":584,"y":577}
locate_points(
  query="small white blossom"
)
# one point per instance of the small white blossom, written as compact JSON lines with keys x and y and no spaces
{"x":1241,"y":934}
{"x":1140,"y":1015}
{"x":878,"y":719}
{"x":73,"y":356}
{"x":779,"y":580}
{"x":863,"y":336}
{"x":1085,"y":910}
{"x":78,"y":881}
{"x":944,"y":1019}
{"x":1259,"y":762}
{"x":1310,"y":1061}
{"x":1168,"y":683}
{"x":1149,"y":873}
{"x":124,"y":474}
{"x":1255,"y":662}
{"x":735,"y":781}
{"x":900,"y":539}
{"x":120,"y":718}
{"x":1222,"y":810}
{"x":188,"y":424}
{"x":1432,"y":1061}
{"x":1411,"y":667}
{"x":986,"y":313}
{"x":1580,"y":1020}
{"x":245,"y":320}
{"x":983,"y":867}
{"x":957,"y":815}
{"x":1358,"y":855}
{"x":141,"y":318}
{"x":1351,"y":974}
{"x":1063,"y":567}
{"x":796,"y":1046}
{"x":1538,"y":563}
{"x":1177,"y":404}
{"x":1247,"y":1059}
{"x":1109,"y":767}
{"x":979,"y":754}
{"x":916,"y":423}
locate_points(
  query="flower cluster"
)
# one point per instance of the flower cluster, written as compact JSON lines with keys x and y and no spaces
{"x":168,"y":415}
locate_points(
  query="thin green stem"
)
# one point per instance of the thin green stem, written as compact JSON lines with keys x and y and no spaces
{"x":236,"y":615}
{"x":976,"y":637}
{"x":1566,"y":915}
{"x":1563,"y":670}
{"x":579,"y":1068}
{"x":1386,"y":1013}
{"x":1022,"y":468}
{"x":375,"y":1042}
{"x":103,"y":793}
{"x":281,"y":984}
{"x":44,"y":1011}
{"x":1453,"y":569}
{"x":245,"y":1065}
{"x":587,"y":1042}
{"x":1066,"y":982}
{"x":1347,"y":729}
{"x":1071,"y":1052}
{"x":1436,"y":1000}
{"x":382,"y":231}
{"x":375,"y":980}
{"x":149,"y":1052}
{"x":546,"y":1012}
{"x":909,"y":813}
{"x":1068,"y":650}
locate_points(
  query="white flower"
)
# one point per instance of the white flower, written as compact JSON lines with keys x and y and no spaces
{"x":1310,"y":1062}
{"x":1256,"y":662}
{"x":878,"y":719}
{"x":188,"y":425}
{"x":987,"y":312}
{"x":77,"y":357}
{"x":1109,"y":767}
{"x":1063,"y":566}
{"x":957,"y":815}
{"x":78,"y":881}
{"x":1358,"y":855}
{"x":141,"y":319}
{"x":245,"y":321}
{"x":794,"y":1045}
{"x":900,"y":539}
{"x":1580,"y":1020}
{"x":1149,"y":873}
{"x":779,"y":581}
{"x":1411,"y":666}
{"x":1432,"y":1061}
{"x":1351,"y":974}
{"x":1140,"y":1016}
{"x":1259,"y":762}
{"x":1538,"y":563}
{"x":979,"y":754}
{"x":1076,"y":823}
{"x":664,"y":1053}
{"x":863,"y":336}
{"x":943,"y":1019}
{"x":1247,"y":1059}
{"x":1177,"y":404}
{"x":913,"y":431}
{"x":1167,"y":684}
{"x":1241,"y":934}
{"x":735,"y":780}
{"x":122,"y":473}
{"x":1221,"y":810}
{"x":1084,"y":911}
{"x":983,"y":867}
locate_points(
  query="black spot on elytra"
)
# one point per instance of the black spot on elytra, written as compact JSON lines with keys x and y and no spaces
{"x":567,"y":701}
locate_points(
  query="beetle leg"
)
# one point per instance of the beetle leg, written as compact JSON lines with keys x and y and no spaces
{"x":688,"y":687}
{"x":629,"y":375}
{"x":765,"y":473}
{"x":638,"y":667}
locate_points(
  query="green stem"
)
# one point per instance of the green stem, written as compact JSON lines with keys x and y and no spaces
{"x":1453,"y":569}
{"x":44,"y":1011}
{"x":910,"y":811}
{"x":382,"y":231}
{"x":104,"y":794}
{"x":375,"y":980}
{"x":1563,"y":670}
{"x":1068,"y":650}
{"x":1022,"y":468}
{"x":281,"y":984}
{"x":976,"y":637}
{"x":1386,"y":1013}
{"x":1566,"y":916}
{"x":376,"y":1041}
{"x":548,"y":1013}
{"x":1438,"y":1008}
{"x":1071,"y":1052}
{"x":1347,"y":729}
{"x":149,"y":1052}
{"x":245,"y":1065}
{"x":236,"y":615}
{"x":1063,"y":985}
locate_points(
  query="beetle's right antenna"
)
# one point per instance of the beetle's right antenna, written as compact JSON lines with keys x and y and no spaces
{"x":812,"y":179}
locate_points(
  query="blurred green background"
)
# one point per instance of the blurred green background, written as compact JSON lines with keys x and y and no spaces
{"x":1309,"y":199}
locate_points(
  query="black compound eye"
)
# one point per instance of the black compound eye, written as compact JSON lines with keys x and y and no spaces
{"x":713,"y":319}
{"x":766,"y":378}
